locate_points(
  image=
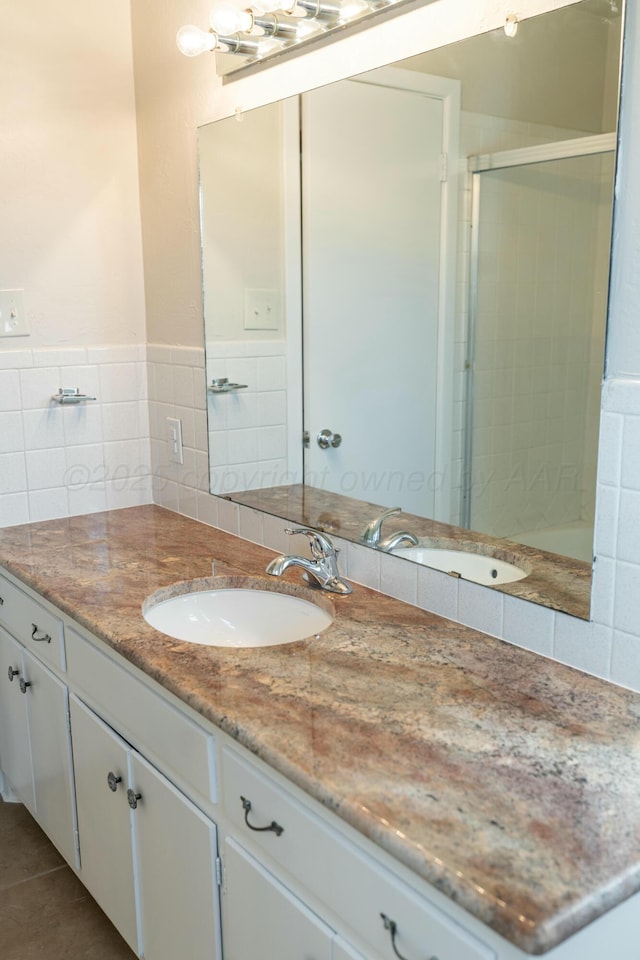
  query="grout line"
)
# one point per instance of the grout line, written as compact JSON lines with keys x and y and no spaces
{"x":35,"y":876}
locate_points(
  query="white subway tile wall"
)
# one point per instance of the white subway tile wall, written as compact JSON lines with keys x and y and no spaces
{"x":248,"y":427}
{"x":57,"y":461}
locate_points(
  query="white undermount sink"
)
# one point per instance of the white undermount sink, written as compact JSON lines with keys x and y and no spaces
{"x":218,"y":613}
{"x":466,"y":564}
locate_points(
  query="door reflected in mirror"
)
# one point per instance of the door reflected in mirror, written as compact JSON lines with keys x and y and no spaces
{"x":411,"y":308}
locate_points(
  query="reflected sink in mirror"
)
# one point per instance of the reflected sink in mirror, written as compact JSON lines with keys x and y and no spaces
{"x":236,"y":612}
{"x":466,"y":564}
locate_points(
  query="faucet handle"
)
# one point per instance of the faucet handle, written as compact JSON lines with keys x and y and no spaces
{"x":321,"y":546}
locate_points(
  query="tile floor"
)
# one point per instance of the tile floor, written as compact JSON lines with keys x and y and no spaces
{"x":45,"y":912}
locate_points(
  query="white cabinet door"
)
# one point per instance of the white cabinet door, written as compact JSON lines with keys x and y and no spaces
{"x":15,"y":753}
{"x":100,"y":760}
{"x":48,"y":718}
{"x":262,"y":919}
{"x":35,"y":748}
{"x":176,"y":850}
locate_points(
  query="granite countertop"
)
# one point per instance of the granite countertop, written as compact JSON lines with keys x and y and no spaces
{"x":507,"y":781}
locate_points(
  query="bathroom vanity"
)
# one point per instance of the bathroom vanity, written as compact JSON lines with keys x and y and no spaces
{"x":399,"y":785}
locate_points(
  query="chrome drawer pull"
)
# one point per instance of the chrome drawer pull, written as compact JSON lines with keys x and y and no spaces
{"x":44,"y":639}
{"x":132,"y":798}
{"x":392,"y":927}
{"x":113,"y":781}
{"x":11,"y":673}
{"x":275,"y":827}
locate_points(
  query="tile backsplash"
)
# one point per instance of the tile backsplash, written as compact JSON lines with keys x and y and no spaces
{"x":248,"y":427}
{"x":57,"y":461}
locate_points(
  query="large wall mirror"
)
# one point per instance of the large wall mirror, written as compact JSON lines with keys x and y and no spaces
{"x":405,"y":294}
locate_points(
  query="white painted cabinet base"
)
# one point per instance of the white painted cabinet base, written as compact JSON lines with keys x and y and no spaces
{"x":104,"y":819}
{"x":148,"y":855}
{"x":262,"y":919}
{"x":15,"y":752}
{"x":34,"y":743}
{"x":176,"y":848}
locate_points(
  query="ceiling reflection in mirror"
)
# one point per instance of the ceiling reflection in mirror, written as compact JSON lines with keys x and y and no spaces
{"x":410,"y":309}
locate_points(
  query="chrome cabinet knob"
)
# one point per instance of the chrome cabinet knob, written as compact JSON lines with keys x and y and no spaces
{"x":24,"y":684}
{"x":326,"y":439}
{"x":113,"y":781}
{"x":11,"y":673}
{"x":132,"y":798}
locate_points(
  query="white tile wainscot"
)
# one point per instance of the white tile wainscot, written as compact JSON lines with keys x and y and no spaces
{"x":58,"y":461}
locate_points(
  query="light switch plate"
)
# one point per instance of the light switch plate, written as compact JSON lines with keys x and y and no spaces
{"x":261,"y":309}
{"x":174,"y":440}
{"x":13,"y":318}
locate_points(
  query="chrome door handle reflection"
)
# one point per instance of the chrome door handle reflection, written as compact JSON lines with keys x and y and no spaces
{"x":326,"y":439}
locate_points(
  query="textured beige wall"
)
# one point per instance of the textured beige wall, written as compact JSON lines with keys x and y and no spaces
{"x":555,"y":72}
{"x":243,"y":212}
{"x":69,"y":194}
{"x":173,"y":96}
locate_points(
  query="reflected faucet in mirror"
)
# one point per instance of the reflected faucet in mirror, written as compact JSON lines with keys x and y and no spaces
{"x":372,"y":534}
{"x":322,"y":568}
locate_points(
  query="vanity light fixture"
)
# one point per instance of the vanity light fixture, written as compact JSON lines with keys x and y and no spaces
{"x":267,"y":27}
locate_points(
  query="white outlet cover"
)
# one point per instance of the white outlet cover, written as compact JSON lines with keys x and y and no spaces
{"x":13,"y":317}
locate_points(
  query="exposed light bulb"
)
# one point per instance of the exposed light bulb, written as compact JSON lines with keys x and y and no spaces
{"x":272,"y":6}
{"x":226,"y":19}
{"x":265,"y":47}
{"x":352,"y":9}
{"x":306,"y":28}
{"x":193,"y":41}
{"x":511,"y":25}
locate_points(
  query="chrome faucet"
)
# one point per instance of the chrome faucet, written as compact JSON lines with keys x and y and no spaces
{"x":323,"y":567}
{"x":372,"y":533}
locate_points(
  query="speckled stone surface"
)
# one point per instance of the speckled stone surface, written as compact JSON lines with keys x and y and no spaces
{"x":506,"y":780}
{"x":560,"y":583}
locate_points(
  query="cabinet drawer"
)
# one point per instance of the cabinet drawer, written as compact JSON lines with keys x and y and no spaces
{"x":358,"y":891}
{"x":173,"y":742}
{"x":41,"y":632}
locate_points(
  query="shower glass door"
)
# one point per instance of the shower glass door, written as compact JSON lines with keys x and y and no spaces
{"x":539,"y":283}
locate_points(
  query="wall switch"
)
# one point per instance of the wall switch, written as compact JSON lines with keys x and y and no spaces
{"x":261,"y":309}
{"x":174,"y":440}
{"x":13,"y":319}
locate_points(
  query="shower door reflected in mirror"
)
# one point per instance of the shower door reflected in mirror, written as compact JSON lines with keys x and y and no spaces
{"x":540,"y":261}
